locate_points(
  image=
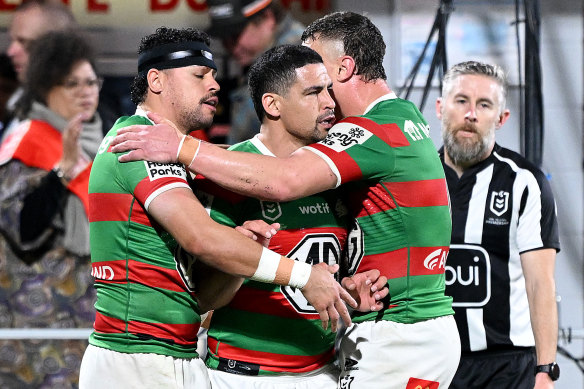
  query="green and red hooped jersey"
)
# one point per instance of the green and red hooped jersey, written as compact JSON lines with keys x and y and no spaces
{"x":395,"y":183}
{"x":145,"y":303}
{"x":273,"y":329}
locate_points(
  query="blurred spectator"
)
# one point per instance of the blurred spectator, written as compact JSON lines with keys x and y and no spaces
{"x":31,"y":20}
{"x":247,"y":28}
{"x":45,"y":274}
{"x":8,"y":84}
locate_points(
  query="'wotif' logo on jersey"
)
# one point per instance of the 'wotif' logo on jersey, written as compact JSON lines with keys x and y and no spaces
{"x":436,"y":259}
{"x":499,"y":202}
{"x":271,"y":210}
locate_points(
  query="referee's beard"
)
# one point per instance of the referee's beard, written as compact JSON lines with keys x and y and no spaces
{"x":467,"y":151}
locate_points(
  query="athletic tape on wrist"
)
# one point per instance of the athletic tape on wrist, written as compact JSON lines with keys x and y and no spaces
{"x":300,"y":274}
{"x":188,"y":150}
{"x":266,"y":271}
{"x":274,"y":268}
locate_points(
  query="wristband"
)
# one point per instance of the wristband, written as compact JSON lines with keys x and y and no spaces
{"x":188,"y":150}
{"x":276,"y":269}
{"x":180,"y":145}
{"x":300,"y":274}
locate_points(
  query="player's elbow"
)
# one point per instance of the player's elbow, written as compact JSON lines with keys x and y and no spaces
{"x":196,"y":246}
{"x":287,"y":187}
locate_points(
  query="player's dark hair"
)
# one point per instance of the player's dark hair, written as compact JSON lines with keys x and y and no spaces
{"x":163,"y":35}
{"x":361,"y":39}
{"x":275,"y":71}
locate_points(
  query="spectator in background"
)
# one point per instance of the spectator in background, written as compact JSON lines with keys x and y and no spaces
{"x":44,"y":228}
{"x":31,"y":20}
{"x":8,"y":84}
{"x":247,"y":28}
{"x":504,"y":233}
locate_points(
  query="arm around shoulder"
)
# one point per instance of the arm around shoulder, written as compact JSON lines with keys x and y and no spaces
{"x":275,"y":179}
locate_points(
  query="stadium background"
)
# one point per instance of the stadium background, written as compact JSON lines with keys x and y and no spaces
{"x":477,"y":29}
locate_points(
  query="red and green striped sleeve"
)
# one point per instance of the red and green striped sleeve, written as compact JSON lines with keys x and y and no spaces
{"x":389,"y":168}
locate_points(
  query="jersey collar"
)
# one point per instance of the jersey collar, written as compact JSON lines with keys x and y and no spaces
{"x":389,"y":96}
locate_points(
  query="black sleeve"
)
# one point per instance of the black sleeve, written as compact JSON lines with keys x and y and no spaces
{"x":41,"y":206}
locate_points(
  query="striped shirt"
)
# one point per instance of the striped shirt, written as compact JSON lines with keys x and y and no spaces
{"x":501,"y":207}
{"x":270,"y":329}
{"x":397,"y":192}
{"x":144,"y":305}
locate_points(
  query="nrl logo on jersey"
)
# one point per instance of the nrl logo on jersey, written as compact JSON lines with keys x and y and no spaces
{"x":344,"y":135}
{"x":499,"y":204}
{"x":271,"y":210}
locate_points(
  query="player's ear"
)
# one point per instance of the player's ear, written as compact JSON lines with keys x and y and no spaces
{"x":347,"y":68}
{"x":155,"y":80}
{"x":271,"y":104}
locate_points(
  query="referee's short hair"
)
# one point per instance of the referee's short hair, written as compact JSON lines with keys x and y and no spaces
{"x":476,"y":68}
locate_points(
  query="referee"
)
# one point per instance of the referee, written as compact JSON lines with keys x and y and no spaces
{"x":500,"y":270}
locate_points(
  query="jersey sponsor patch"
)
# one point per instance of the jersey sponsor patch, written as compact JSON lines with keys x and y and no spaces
{"x":237,"y":367}
{"x":104,"y":272}
{"x":344,"y":135}
{"x":312,"y":249}
{"x":418,"y":383}
{"x":468,"y":275}
{"x":162,"y":170}
{"x":436,"y":259}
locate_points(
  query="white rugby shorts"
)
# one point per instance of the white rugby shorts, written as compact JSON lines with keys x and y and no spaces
{"x":102,"y":368}
{"x":391,"y":355}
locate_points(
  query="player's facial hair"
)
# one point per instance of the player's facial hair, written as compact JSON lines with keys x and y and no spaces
{"x":464,"y":151}
{"x":194,"y":119}
{"x":318,"y":135}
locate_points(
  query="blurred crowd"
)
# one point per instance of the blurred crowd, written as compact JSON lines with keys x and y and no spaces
{"x":52,"y":120}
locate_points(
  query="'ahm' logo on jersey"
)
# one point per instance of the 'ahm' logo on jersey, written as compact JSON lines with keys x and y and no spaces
{"x":499,"y":202}
{"x":344,"y":135}
{"x":161,"y":170}
{"x":271,"y":210}
{"x":436,"y":259}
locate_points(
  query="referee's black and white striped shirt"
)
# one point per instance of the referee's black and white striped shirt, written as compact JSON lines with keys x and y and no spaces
{"x":501,"y":207}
